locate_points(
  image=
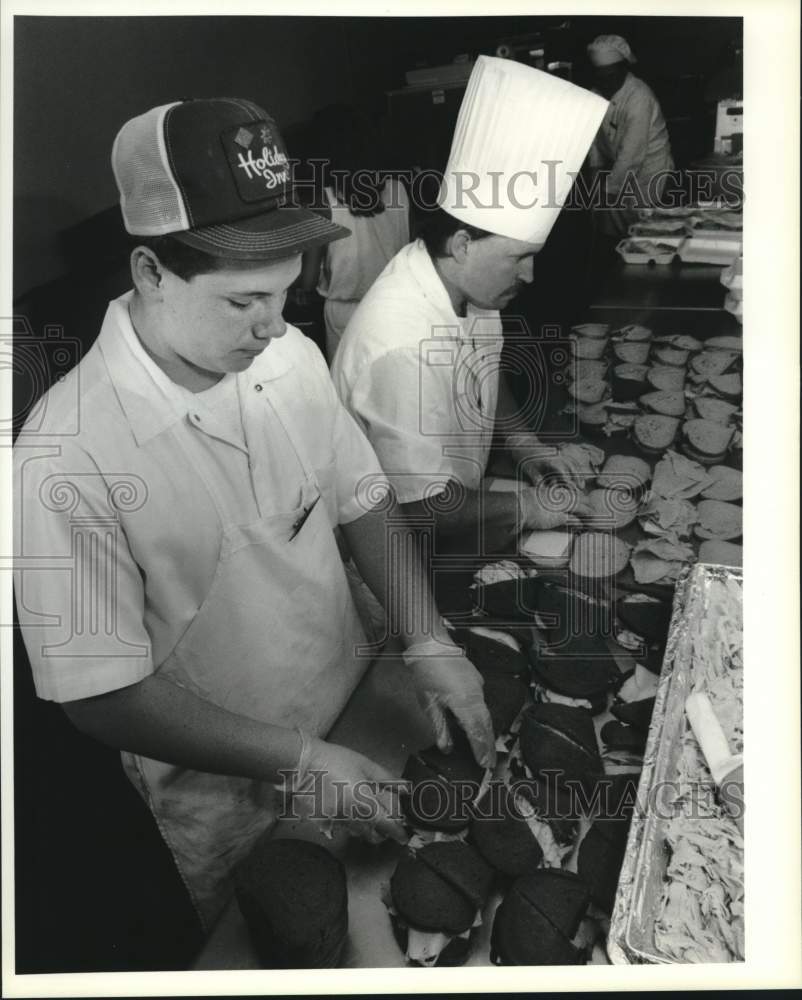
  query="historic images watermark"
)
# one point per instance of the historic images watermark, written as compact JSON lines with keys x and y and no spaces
{"x":554,"y":798}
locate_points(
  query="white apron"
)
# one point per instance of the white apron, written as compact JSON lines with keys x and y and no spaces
{"x":274,"y":640}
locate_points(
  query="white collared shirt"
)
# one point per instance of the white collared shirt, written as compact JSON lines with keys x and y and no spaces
{"x":421,"y":381}
{"x":108,"y":487}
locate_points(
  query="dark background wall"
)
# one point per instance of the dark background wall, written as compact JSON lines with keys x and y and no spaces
{"x":101,"y":71}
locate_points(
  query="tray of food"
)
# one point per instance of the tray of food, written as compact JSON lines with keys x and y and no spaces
{"x":680,"y":896}
{"x":707,"y":247}
{"x":648,"y":250}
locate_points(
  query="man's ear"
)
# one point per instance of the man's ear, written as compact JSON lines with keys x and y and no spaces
{"x":147,"y":273}
{"x":458,"y":244}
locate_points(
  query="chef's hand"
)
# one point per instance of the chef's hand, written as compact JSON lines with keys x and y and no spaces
{"x":543,"y":508}
{"x":451,"y":683}
{"x":352,"y":789}
{"x":550,"y":467}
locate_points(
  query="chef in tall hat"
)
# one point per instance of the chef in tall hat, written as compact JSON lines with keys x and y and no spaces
{"x":632,"y":146}
{"x":419,"y":363}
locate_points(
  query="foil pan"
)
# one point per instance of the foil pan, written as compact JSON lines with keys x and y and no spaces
{"x":631,"y":938}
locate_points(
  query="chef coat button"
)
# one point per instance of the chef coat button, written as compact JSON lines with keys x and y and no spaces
{"x":258,"y":387}
{"x":196,"y":416}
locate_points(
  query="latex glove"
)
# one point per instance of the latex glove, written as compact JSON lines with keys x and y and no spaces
{"x":528,"y":452}
{"x":451,"y":683}
{"x":543,"y":508}
{"x":350,"y":788}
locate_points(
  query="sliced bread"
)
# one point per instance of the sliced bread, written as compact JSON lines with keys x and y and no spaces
{"x":666,"y":377}
{"x":669,"y":402}
{"x":706,"y":441}
{"x":654,"y":432}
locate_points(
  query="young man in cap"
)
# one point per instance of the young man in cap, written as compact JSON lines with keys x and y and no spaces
{"x":632,"y":143}
{"x":419,"y":364}
{"x":189,"y":474}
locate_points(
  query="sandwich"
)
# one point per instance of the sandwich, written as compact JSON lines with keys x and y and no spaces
{"x":670,"y":402}
{"x":629,"y":381}
{"x":654,"y":433}
{"x":667,"y":355}
{"x":584,"y":461}
{"x":560,"y":608}
{"x":632,"y":353}
{"x":705,"y":441}
{"x":539,"y":920}
{"x":726,"y":386}
{"x":681,"y":341}
{"x":632,"y":333}
{"x":721,"y":553}
{"x":436,"y":897}
{"x":293,"y":897}
{"x":547,"y":549}
{"x":443,"y":787}
{"x":613,"y":507}
{"x":509,"y":835}
{"x":646,"y":615}
{"x":719,"y":520}
{"x":593,"y":417}
{"x":620,"y":417}
{"x":505,"y":671}
{"x":713,"y":363}
{"x":506,"y":591}
{"x":595,"y":331}
{"x":624,"y":472}
{"x":727,"y":483}
{"x":726,"y":342}
{"x":601,"y":855}
{"x":619,"y":738}
{"x":579,"y":672}
{"x":584,"y":368}
{"x":597,"y":555}
{"x":712,"y":408}
{"x":588,"y":348}
{"x":589,"y":390}
{"x":560,"y":740}
{"x":666,"y":378}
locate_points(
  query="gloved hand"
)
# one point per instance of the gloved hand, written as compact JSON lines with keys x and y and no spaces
{"x":543,"y":508}
{"x":533,"y":459}
{"x":445,"y":682}
{"x":349,"y":787}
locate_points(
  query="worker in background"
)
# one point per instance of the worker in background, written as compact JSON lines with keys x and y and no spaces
{"x":418,"y":366}
{"x":364,"y":200}
{"x":194,"y":504}
{"x":632,"y":145}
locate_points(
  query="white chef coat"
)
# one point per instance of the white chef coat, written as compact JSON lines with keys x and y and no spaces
{"x":421,"y":381}
{"x":125,"y":476}
{"x":350,"y":266}
{"x":633,"y":138}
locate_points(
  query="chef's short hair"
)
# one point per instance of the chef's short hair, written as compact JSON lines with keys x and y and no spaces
{"x":179,"y":258}
{"x":436,"y":229}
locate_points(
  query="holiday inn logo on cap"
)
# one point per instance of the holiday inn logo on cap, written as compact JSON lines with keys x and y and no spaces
{"x":258,"y":160}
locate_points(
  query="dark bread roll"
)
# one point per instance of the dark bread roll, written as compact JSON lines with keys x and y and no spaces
{"x":505,"y":695}
{"x":618,"y":736}
{"x":427,"y":901}
{"x":537,"y":919}
{"x":561,"y":739}
{"x":443,"y":786}
{"x":503,"y":838}
{"x":294,"y":899}
{"x":601,"y":855}
{"x":490,"y":655}
{"x":634,"y":713}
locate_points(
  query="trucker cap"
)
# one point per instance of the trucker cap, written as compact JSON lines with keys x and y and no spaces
{"x":214,"y":173}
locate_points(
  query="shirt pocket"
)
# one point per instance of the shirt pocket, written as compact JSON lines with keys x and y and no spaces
{"x":326,"y":478}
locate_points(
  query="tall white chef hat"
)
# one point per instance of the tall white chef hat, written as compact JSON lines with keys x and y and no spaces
{"x":520,"y":139}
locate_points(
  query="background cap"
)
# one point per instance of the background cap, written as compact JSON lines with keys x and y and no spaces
{"x":608,"y":49}
{"x":214,"y":173}
{"x":520,"y":139}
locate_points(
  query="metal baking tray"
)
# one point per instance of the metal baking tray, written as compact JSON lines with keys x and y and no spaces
{"x":631,"y":939}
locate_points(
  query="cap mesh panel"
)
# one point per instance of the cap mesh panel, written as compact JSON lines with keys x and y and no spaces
{"x":149,"y":197}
